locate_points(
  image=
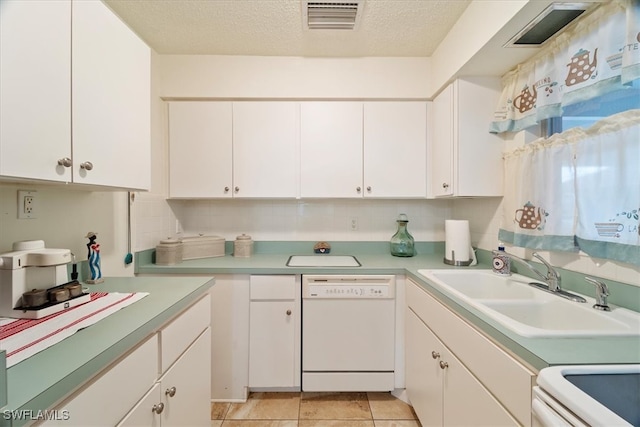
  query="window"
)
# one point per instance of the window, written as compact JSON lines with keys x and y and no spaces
{"x":586,"y":113}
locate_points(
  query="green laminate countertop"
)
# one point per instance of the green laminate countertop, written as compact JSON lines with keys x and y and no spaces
{"x":376,"y":259}
{"x":42,"y":380}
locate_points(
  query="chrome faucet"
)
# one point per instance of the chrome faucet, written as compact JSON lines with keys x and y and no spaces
{"x":602,"y":292}
{"x":552,"y":278}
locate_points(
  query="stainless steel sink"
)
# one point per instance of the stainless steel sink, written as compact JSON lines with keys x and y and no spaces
{"x":530,"y":312}
{"x":322,"y":260}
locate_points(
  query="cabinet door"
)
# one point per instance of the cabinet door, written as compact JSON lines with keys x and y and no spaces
{"x":423,"y":374}
{"x":478,"y":169}
{"x":144,"y":414}
{"x":110,"y":396}
{"x":331,"y":149}
{"x":466,"y":401}
{"x":395,"y":149}
{"x":200,"y":149}
{"x":272,"y":344}
{"x":111,"y":100}
{"x":443,"y":134}
{"x":186,"y":389}
{"x":265,"y":147}
{"x":35,"y":95}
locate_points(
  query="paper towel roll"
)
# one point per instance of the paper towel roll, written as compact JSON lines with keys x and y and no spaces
{"x":457,"y":247}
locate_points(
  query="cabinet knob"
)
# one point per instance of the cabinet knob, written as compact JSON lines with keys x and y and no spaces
{"x":435,"y":354}
{"x":226,"y":189}
{"x":443,"y":365}
{"x":236,"y":189}
{"x":65,"y":161}
{"x":358,"y":189}
{"x":369,"y":189}
{"x":288,"y":312}
{"x":158,"y":408}
{"x":86,"y":165}
{"x":445,"y":185}
{"x":170,"y":392}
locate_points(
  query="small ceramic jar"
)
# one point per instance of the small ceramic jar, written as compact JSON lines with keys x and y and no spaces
{"x":75,"y":289}
{"x":169,"y":252}
{"x":58,"y":295}
{"x":34,"y":298}
{"x":243,"y":246}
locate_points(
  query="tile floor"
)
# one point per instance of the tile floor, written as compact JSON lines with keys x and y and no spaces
{"x":315,"y":410}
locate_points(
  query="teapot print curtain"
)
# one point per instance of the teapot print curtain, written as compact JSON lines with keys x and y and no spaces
{"x":597,"y":55}
{"x":578,"y":190}
{"x":608,"y":189}
{"x":539,"y":200}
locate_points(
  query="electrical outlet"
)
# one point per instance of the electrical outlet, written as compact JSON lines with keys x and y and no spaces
{"x":354,"y":224}
{"x":27,"y":204}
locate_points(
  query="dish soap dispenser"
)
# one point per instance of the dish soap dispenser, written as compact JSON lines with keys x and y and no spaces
{"x":402,"y":243}
{"x":501,"y":263}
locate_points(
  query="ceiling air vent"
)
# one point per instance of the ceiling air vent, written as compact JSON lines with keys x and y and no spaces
{"x":331,"y":15}
{"x":549,"y":22}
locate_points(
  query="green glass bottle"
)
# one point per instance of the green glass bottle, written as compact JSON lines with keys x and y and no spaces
{"x":402,"y":243}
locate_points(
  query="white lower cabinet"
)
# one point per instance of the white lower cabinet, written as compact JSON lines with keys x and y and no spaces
{"x":274,"y":332}
{"x":456,"y":376}
{"x":441,"y":389}
{"x":181,"y":396}
{"x":126,"y":392}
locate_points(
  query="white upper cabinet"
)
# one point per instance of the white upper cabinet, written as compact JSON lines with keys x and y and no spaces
{"x":331,"y":149}
{"x":200,"y":149}
{"x":465,"y":159}
{"x":75,"y":99}
{"x":395,"y":149}
{"x":35,"y":94}
{"x":111,"y":100}
{"x":265,"y":149}
{"x":355,"y":149}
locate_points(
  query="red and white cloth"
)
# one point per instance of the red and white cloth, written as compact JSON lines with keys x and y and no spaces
{"x":22,"y":338}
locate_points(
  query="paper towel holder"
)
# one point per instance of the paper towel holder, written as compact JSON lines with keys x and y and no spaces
{"x":461,"y":263}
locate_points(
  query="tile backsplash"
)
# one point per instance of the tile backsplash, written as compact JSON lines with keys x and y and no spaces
{"x":331,"y":220}
{"x":281,"y":220}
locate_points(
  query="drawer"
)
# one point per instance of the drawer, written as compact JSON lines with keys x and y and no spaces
{"x":182,"y":331}
{"x":108,"y":397}
{"x":509,"y":380}
{"x":273,"y":287}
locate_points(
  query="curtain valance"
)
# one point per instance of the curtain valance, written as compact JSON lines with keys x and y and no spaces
{"x":599,"y":54}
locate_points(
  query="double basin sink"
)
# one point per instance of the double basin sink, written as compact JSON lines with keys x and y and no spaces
{"x":531,"y":312}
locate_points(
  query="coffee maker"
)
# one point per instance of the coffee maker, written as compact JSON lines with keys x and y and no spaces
{"x":34,"y":281}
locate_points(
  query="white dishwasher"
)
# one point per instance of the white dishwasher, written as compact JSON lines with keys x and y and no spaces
{"x":348,"y":332}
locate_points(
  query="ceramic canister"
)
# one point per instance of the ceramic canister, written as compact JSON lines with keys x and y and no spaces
{"x":243,"y":246}
{"x":169,"y":252}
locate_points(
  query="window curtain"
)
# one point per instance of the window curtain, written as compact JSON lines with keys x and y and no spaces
{"x":539,"y":194}
{"x":578,"y":190}
{"x":597,"y":55}
{"x":608,"y":189}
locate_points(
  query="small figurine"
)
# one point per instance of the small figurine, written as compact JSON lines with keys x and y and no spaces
{"x":94,"y":258}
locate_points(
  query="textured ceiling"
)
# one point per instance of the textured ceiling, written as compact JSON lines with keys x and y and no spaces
{"x":274,"y":27}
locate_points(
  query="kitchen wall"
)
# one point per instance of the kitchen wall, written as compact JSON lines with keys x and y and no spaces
{"x":64,"y":217}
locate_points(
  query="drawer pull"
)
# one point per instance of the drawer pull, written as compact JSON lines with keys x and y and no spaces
{"x":158,"y":408}
{"x":288,"y":312}
{"x":170,"y":392}
{"x":443,"y":365}
{"x":435,"y":354}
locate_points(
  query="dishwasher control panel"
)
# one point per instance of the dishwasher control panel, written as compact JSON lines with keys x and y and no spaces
{"x":347,"y":287}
